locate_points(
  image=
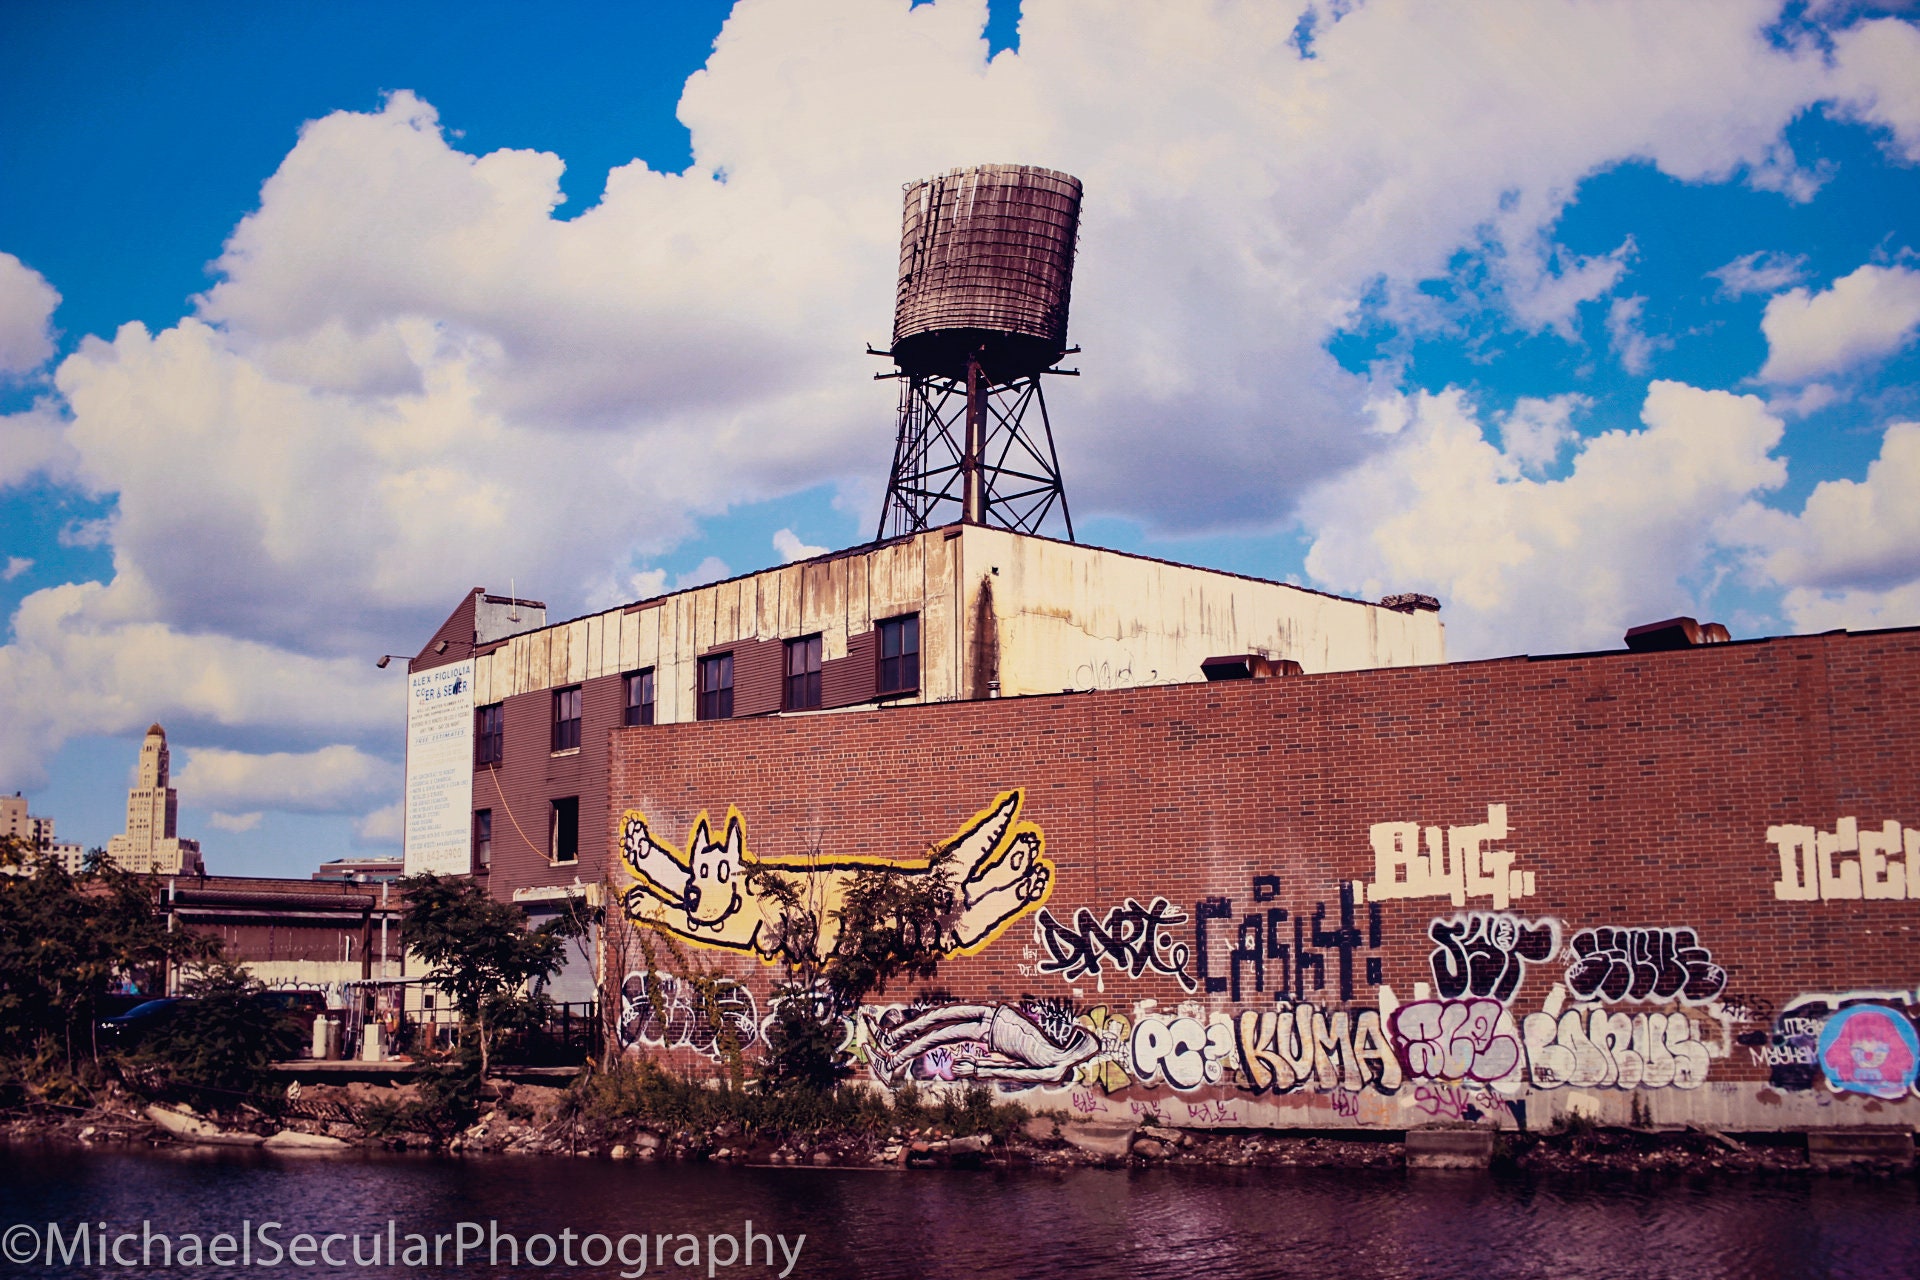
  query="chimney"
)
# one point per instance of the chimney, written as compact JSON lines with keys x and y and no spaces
{"x":1675,"y":633}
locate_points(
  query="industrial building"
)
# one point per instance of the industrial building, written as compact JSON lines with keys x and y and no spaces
{"x":1227,"y":852}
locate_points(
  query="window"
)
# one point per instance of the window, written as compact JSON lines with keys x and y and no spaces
{"x":564,"y":833}
{"x":900,"y":654}
{"x":482,"y":839}
{"x":716,"y":687}
{"x":639,"y":698}
{"x":566,"y":718}
{"x":802,"y":690}
{"x":489,"y":734}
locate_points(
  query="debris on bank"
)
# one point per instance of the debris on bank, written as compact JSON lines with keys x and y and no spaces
{"x":538,"y":1120}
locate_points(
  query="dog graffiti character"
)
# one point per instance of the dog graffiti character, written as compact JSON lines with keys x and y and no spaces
{"x":999,"y":871}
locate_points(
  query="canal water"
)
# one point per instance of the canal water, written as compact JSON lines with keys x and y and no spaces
{"x":683,"y":1220}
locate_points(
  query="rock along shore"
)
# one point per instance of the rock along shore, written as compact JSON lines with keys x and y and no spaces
{"x":537,"y":1120}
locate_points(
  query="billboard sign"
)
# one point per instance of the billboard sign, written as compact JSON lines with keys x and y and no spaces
{"x":440,"y":770}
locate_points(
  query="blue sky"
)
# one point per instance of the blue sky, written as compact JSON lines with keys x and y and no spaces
{"x":1574,"y":316}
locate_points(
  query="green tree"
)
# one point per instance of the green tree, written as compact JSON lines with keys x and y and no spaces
{"x":483,"y":956}
{"x":890,"y":927}
{"x":224,"y":1037}
{"x":67,"y":941}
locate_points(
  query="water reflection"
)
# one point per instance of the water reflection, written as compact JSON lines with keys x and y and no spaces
{"x":930,"y":1225}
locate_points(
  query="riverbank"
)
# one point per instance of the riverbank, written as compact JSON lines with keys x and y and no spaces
{"x":549,"y":1121}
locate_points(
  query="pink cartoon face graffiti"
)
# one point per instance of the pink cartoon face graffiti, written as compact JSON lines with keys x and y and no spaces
{"x":1870,"y":1049}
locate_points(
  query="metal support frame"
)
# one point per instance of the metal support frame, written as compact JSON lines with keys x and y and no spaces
{"x":965,"y":452}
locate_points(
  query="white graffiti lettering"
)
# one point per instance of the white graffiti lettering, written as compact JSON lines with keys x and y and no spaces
{"x":1464,"y":866}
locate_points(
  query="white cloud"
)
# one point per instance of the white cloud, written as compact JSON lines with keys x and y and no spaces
{"x":409,"y":377}
{"x":27,"y":302}
{"x":1537,"y":429}
{"x":34,"y":443}
{"x":1860,"y":317}
{"x":15,"y":566}
{"x":1874,"y":65}
{"x":1851,"y":536}
{"x":1802,"y":401}
{"x":86,"y":658}
{"x":1760,"y":272}
{"x":385,"y":825}
{"x":234,"y":821}
{"x":331,"y":780}
{"x":1629,"y":341}
{"x":791,"y":548}
{"x":1546,"y":564}
{"x":711,"y":569}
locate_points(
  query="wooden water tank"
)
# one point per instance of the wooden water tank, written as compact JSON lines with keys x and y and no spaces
{"x":986,"y":264}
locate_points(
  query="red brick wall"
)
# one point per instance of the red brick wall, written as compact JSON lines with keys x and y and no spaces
{"x":1639,"y":790}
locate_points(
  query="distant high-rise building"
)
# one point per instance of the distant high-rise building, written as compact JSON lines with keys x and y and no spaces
{"x":36,"y":834}
{"x":151,"y":842}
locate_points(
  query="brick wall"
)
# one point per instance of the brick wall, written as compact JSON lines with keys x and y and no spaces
{"x":1638,"y":792}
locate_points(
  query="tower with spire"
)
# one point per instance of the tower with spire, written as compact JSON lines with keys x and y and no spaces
{"x":151,"y":843}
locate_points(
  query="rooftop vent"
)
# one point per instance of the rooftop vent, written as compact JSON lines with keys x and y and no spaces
{"x":1675,"y":633}
{"x":1248,"y":666}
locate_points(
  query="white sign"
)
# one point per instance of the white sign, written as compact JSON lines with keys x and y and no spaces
{"x":440,"y":770}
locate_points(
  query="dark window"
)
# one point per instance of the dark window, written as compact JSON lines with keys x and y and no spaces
{"x":482,"y":839}
{"x":564,"y":840}
{"x":489,"y":734}
{"x":566,"y":718}
{"x":639,"y":698}
{"x":716,"y":687}
{"x":802,"y":691}
{"x":900,"y":654}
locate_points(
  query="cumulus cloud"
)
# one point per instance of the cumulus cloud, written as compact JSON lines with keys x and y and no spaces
{"x":409,"y":376}
{"x":27,"y":302}
{"x":235,"y":822}
{"x":34,"y":444}
{"x":1870,"y":313}
{"x":1538,"y":428}
{"x":1527,"y":564}
{"x":791,"y":548}
{"x":87,"y":658}
{"x":332,"y":779}
{"x":15,"y":566}
{"x":385,"y":825}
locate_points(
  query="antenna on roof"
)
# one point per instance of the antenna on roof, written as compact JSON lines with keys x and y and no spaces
{"x":513,"y":601}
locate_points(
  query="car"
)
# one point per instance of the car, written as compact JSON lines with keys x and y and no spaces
{"x":130,"y":1028}
{"x":303,"y":1007}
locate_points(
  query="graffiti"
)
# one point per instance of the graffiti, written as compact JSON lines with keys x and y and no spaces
{"x":1456,"y":1040}
{"x":1133,"y":939}
{"x":1465,"y":867}
{"x":1452,"y":1102}
{"x":1599,"y":1049}
{"x":665,"y":1012}
{"x":1486,"y":953}
{"x":1025,"y":1044}
{"x":1181,"y":1051}
{"x":1246,"y":947}
{"x":708,"y":894}
{"x":1293,"y":1046}
{"x":1871,"y":1049}
{"x":1856,"y":1042}
{"x":1886,"y":864}
{"x":1104,"y":675}
{"x":1106,"y":1070}
{"x":1643,"y":964}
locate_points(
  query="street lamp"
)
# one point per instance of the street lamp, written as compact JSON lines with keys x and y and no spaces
{"x":385,"y":658}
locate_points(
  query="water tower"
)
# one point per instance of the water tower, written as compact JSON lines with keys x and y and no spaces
{"x":986,"y":265}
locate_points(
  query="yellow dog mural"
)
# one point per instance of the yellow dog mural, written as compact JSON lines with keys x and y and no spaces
{"x":999,"y":872}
